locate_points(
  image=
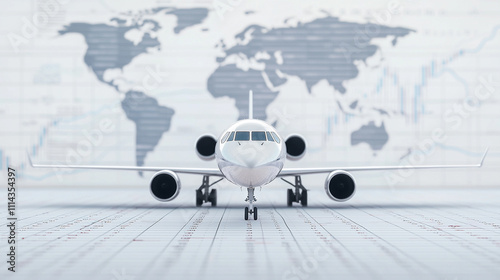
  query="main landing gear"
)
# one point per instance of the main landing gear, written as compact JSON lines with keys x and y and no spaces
{"x":299,"y":195}
{"x":250,"y":209}
{"x":203,"y":194}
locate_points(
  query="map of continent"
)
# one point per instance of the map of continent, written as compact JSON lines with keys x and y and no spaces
{"x":375,"y":136}
{"x":108,"y":48}
{"x":323,"y":49}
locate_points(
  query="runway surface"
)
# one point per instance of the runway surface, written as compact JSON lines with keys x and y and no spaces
{"x":118,"y":234}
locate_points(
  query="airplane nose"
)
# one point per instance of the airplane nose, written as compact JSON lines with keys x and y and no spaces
{"x":248,"y":157}
{"x":251,"y":155}
{"x":249,"y":161}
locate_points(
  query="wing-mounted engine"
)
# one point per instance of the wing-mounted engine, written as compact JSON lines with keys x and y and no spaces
{"x":205,"y":147}
{"x":295,"y":147}
{"x":165,"y":185}
{"x":340,"y":185}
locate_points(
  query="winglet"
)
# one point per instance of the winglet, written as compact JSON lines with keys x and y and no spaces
{"x":250,"y":105}
{"x":484,"y":156}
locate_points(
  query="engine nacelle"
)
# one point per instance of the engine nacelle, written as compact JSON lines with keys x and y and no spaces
{"x":295,"y":147}
{"x":205,"y":147}
{"x":165,"y":185}
{"x":340,"y":185}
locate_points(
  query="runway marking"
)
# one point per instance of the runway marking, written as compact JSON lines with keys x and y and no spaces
{"x":372,"y":236}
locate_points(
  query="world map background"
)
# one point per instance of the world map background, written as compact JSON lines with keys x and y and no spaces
{"x":363,"y":85}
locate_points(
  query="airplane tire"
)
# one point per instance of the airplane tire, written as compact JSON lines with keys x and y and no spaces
{"x":246,"y":213}
{"x":303,"y":198}
{"x":289,"y":197}
{"x":213,"y":197}
{"x":255,"y":213}
{"x":199,"y":198}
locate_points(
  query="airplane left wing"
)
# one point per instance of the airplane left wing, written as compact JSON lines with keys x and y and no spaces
{"x":303,"y":171}
{"x":199,"y":171}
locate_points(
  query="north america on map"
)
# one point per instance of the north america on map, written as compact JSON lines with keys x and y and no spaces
{"x":324,"y":49}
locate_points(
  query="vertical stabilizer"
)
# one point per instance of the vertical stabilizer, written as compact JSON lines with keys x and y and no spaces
{"x":250,"y":105}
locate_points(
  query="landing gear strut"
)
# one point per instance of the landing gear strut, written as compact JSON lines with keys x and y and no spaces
{"x":251,"y":209}
{"x":203,"y":194}
{"x":299,"y":195}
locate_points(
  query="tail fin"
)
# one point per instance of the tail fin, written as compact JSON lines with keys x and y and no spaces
{"x":250,"y":105}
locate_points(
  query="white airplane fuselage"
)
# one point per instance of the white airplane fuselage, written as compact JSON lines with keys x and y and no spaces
{"x":251,"y":161}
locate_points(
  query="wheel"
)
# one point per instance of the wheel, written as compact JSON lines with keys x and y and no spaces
{"x":289,"y":197}
{"x":199,"y":198}
{"x":246,"y":213}
{"x":213,"y":197}
{"x":255,"y":213}
{"x":303,"y":198}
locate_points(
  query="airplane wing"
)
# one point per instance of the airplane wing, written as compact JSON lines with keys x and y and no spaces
{"x":199,"y":171}
{"x":303,"y":171}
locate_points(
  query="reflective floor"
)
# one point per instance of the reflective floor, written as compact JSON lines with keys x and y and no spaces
{"x":379,"y":234}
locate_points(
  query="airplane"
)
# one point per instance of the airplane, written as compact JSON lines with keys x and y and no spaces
{"x":251,"y":154}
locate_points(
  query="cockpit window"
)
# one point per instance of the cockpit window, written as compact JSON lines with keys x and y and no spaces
{"x":258,"y":136}
{"x":276,"y":138}
{"x":242,"y":136}
{"x":225,"y":137}
{"x":231,"y":136}
{"x":269,"y":137}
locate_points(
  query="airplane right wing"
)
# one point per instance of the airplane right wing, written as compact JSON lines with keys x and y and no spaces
{"x":303,"y":171}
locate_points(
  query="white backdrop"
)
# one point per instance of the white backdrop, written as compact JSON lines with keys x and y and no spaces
{"x":432,"y":97}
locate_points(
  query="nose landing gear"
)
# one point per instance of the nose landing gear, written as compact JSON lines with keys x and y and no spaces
{"x":251,"y":209}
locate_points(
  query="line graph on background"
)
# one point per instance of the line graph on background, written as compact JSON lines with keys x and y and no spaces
{"x":35,"y":148}
{"x":411,"y":102}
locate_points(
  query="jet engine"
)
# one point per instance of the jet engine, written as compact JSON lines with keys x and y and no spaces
{"x":165,"y":185}
{"x":295,"y":147}
{"x":205,"y":147}
{"x":340,"y":185}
